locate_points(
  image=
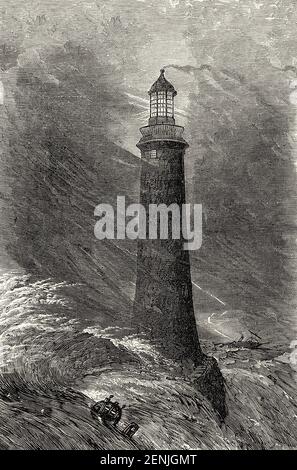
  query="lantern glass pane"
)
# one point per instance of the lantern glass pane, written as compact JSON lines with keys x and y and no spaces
{"x":153,"y":103}
{"x":169,"y":103}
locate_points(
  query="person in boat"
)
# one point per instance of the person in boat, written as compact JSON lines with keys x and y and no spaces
{"x":101,"y":406}
{"x":113,"y":413}
{"x":110,"y":412}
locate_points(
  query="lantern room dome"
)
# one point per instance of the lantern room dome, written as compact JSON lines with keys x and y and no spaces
{"x":162,"y":84}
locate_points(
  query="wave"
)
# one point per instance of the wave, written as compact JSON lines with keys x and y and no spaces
{"x":54,"y":364}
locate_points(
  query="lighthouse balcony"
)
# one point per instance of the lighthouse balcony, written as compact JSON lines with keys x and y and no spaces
{"x":161,"y":132}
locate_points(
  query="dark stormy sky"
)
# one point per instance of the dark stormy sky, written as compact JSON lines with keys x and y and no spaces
{"x":243,"y":40}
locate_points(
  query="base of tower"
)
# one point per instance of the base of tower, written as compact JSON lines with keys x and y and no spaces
{"x":211,"y":385}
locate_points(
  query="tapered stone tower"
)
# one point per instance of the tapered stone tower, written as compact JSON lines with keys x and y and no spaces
{"x":163,"y":306}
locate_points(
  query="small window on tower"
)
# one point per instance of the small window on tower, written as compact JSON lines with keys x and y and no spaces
{"x":150,"y":154}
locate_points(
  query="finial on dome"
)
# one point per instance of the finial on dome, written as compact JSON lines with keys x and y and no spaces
{"x":162,"y":84}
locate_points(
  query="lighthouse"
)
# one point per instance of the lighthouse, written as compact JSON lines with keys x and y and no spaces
{"x":163,"y":305}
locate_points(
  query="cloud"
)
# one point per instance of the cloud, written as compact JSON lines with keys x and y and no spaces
{"x":174,"y":3}
{"x":1,"y":93}
{"x":32,"y":59}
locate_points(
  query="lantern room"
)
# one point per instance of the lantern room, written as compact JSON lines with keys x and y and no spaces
{"x":162,"y":95}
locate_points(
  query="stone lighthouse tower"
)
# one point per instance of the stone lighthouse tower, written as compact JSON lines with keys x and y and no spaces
{"x":163,"y":306}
